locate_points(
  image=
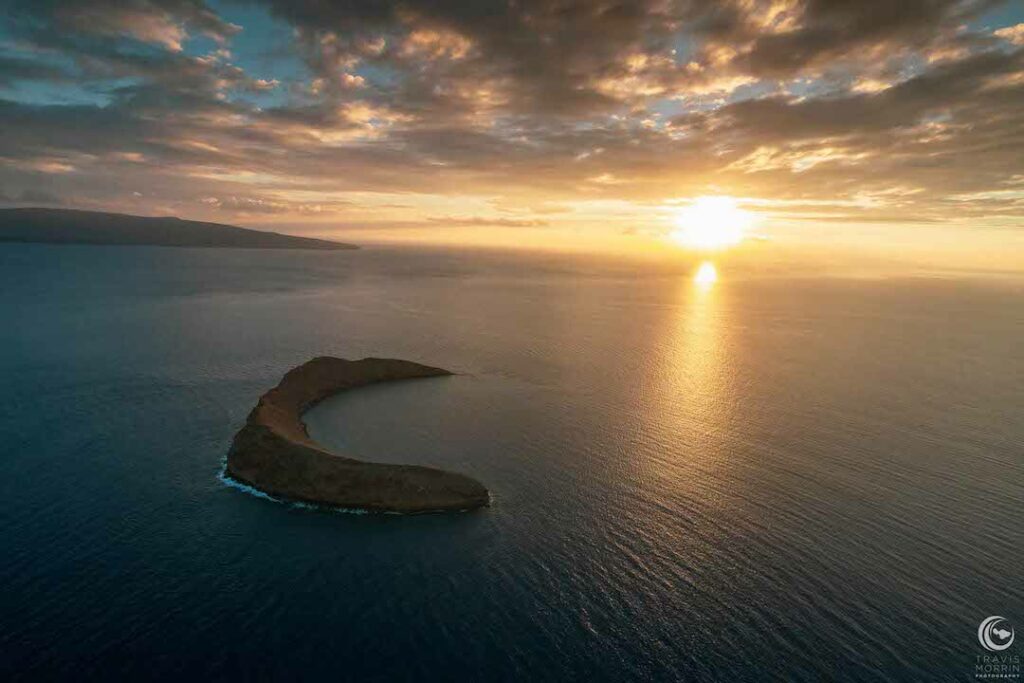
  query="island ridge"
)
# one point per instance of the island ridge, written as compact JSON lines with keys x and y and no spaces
{"x":71,"y":226}
{"x":274,"y":453}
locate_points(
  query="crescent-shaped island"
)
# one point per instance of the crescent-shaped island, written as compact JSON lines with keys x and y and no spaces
{"x":274,"y":454}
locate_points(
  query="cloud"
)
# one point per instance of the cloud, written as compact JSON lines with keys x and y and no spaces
{"x":263,"y":205}
{"x":530,"y":104}
{"x":817,"y":33}
{"x":489,"y":222}
{"x":30,"y":197}
{"x":38,"y":196}
{"x":162,"y":22}
{"x":1014,"y":34}
{"x":15,"y":69}
{"x":91,"y":40}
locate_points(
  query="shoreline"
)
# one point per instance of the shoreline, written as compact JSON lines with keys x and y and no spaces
{"x":274,"y":455}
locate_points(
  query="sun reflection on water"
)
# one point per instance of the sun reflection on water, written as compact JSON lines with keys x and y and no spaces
{"x":700,"y":362}
{"x":706,"y":275}
{"x":692,"y":405}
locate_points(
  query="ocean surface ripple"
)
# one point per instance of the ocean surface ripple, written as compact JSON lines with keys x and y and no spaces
{"x":776,"y":479}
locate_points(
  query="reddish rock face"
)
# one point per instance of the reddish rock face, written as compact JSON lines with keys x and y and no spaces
{"x":273,"y":451}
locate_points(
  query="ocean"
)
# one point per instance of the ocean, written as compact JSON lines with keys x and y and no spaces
{"x":770,"y":477}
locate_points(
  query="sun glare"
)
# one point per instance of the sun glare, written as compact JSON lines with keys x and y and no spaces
{"x":711,"y":223}
{"x":706,"y":275}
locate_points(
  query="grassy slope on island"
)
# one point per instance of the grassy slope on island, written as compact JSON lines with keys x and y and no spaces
{"x":68,"y":226}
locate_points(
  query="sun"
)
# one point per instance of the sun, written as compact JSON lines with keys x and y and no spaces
{"x":711,"y":224}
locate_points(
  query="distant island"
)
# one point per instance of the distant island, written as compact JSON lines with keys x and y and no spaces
{"x":70,"y":226}
{"x":274,"y":453}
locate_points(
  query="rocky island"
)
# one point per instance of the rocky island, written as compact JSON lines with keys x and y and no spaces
{"x":274,"y":453}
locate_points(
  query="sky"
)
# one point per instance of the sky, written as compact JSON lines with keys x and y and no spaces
{"x":892,"y":124}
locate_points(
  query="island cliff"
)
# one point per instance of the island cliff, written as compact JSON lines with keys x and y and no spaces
{"x":274,"y":453}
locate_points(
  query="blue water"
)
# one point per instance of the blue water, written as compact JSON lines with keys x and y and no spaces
{"x":769,"y":479}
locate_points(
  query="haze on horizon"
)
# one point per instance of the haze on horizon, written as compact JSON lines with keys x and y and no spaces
{"x":893,"y":126}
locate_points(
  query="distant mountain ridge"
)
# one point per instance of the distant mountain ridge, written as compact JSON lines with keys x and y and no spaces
{"x":72,"y":226}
